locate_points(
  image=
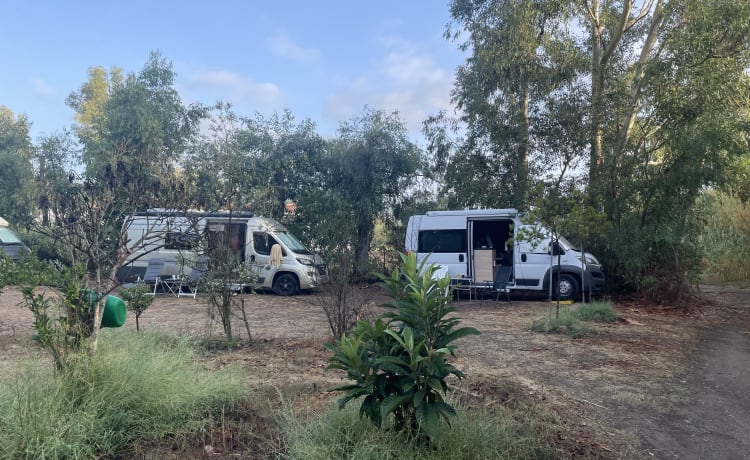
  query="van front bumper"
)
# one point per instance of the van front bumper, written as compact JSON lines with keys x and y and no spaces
{"x":596,"y":278}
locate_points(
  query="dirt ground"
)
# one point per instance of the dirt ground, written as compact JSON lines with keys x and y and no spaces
{"x":663,"y":382}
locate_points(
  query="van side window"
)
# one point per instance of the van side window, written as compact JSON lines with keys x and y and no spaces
{"x":180,"y":241}
{"x":262,"y":243}
{"x":438,"y":241}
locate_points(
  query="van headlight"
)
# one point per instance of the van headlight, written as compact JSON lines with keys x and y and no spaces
{"x":306,"y":261}
{"x":588,"y":258}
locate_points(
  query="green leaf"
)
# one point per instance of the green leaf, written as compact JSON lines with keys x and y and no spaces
{"x":429,"y":421}
{"x":391,"y":403}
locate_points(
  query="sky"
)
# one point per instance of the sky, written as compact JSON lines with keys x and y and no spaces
{"x":323,"y":60}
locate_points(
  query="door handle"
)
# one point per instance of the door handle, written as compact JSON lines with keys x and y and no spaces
{"x":460,"y":257}
{"x":523,"y":257}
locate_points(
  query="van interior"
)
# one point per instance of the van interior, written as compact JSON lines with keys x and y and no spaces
{"x":492,"y":246}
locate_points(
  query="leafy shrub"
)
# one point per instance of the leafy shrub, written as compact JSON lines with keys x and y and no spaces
{"x":600,"y":312}
{"x":399,"y":363}
{"x":138,"y":299}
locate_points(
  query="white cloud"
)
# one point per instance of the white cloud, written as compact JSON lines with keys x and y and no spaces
{"x":241,"y":91}
{"x":41,"y":87}
{"x":404,"y":81}
{"x":283,"y":46}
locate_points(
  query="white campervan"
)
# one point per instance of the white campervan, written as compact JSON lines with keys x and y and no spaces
{"x":172,"y":235}
{"x":473,"y":245}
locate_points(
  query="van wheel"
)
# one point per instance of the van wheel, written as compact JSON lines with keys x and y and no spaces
{"x":567,"y":287}
{"x":286,"y":284}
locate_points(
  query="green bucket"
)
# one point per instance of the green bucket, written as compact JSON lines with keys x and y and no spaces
{"x":115,"y":311}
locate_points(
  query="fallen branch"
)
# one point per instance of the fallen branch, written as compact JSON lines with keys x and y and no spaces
{"x":588,"y":402}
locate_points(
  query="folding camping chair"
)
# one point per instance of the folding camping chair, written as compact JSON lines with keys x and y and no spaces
{"x":500,"y":284}
{"x":189,"y":284}
{"x":153,"y":273}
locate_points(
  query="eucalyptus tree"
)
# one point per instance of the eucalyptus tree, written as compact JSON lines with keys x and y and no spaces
{"x":521,"y":56}
{"x":16,"y":173}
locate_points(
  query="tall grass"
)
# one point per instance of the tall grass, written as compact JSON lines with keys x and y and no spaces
{"x":568,"y":321}
{"x":725,"y":238}
{"x":472,"y":435}
{"x":138,"y":387}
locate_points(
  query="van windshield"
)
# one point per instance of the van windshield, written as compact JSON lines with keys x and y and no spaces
{"x":566,"y":245}
{"x":8,"y":237}
{"x":291,"y":242}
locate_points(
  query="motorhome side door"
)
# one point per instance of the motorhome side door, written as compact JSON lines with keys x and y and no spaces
{"x":225,"y":240}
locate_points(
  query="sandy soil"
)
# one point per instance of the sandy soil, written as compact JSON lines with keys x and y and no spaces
{"x":660,"y":383}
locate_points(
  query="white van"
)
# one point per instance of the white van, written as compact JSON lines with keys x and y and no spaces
{"x":172,"y":236}
{"x":472,"y":245}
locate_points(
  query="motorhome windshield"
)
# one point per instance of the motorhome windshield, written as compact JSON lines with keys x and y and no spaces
{"x":291,"y":242}
{"x":8,"y":237}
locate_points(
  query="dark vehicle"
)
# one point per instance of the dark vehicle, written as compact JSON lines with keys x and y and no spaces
{"x":10,"y":244}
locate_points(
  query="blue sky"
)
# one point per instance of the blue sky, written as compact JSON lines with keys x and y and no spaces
{"x":322,"y":60}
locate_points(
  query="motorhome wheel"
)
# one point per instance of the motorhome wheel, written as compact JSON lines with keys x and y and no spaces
{"x":567,"y":287}
{"x":285,"y":284}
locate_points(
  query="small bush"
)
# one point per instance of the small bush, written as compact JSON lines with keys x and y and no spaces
{"x":399,"y":364}
{"x":564,"y":322}
{"x":599,"y":312}
{"x":138,"y":387}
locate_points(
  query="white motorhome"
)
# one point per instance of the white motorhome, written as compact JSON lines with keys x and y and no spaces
{"x":471,"y":245}
{"x":177,"y":237}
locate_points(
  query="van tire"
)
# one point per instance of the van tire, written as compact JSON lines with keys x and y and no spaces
{"x":285,"y":284}
{"x":567,"y":287}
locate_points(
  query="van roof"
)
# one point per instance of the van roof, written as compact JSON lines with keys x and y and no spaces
{"x":507,"y":212}
{"x":163,"y":212}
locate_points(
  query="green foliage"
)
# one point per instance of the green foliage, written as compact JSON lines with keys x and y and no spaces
{"x":16,"y":173}
{"x":369,"y":166}
{"x":598,"y":312}
{"x":137,"y":388}
{"x":724,"y":237}
{"x":138,"y":299}
{"x":399,"y":362}
{"x":63,"y":320}
{"x":476,"y":434}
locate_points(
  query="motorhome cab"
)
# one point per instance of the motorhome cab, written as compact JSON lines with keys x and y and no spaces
{"x":178,"y":237}
{"x":472,"y":245}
